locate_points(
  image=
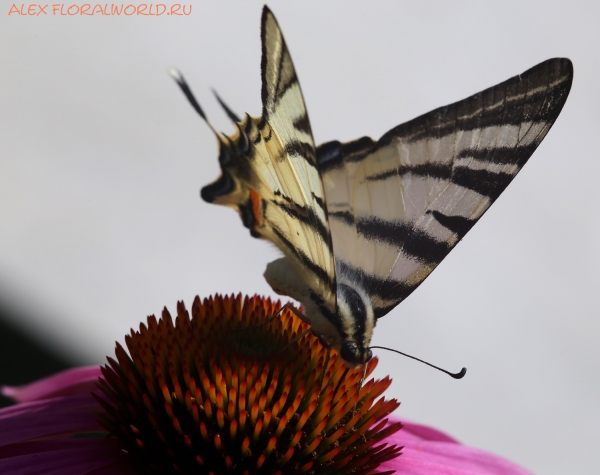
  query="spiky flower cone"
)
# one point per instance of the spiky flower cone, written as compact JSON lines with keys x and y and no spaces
{"x":218,"y":393}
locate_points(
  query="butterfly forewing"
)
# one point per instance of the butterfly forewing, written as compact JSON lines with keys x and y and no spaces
{"x":418,"y":190}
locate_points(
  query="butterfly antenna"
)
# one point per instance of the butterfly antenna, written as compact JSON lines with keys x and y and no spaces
{"x":364,"y":375}
{"x":295,"y":339}
{"x":458,"y":375}
{"x":264,"y":322}
{"x":232,"y":115}
{"x":360,"y":384}
{"x":183,"y":85}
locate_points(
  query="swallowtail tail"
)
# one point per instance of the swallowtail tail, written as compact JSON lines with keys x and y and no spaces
{"x":361,"y":224}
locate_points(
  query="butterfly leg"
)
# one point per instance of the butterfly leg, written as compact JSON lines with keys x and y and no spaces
{"x":364,"y":375}
{"x":288,"y":305}
{"x":323,"y":369}
{"x":296,"y":312}
{"x":295,"y":339}
{"x":275,"y":315}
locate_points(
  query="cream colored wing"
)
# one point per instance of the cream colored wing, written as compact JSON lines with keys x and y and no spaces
{"x":270,"y":175}
{"x":399,"y":205}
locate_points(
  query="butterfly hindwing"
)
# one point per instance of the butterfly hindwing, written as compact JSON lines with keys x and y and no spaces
{"x":399,"y":205}
{"x":273,"y":179}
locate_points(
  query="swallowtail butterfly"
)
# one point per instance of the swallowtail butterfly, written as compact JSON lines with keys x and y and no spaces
{"x":361,"y":224}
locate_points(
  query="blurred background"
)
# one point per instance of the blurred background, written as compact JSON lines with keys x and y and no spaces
{"x":101,"y":223}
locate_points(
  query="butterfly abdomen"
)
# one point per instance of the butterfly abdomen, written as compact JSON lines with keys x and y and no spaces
{"x":356,"y":320}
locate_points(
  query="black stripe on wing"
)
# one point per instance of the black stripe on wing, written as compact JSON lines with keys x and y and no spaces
{"x":308,"y":217}
{"x":345,"y":216}
{"x":500,"y":155}
{"x":283,"y":88}
{"x":376,"y":287}
{"x":484,"y":182}
{"x":442,"y":171}
{"x":319,"y":201}
{"x":334,"y":154}
{"x":316,"y":270}
{"x":302,"y":124}
{"x":494,"y":155}
{"x":302,"y":149}
{"x":459,"y":225}
{"x":405,"y":237}
{"x":333,"y":317}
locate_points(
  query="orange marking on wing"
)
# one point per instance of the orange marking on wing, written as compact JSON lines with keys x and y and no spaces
{"x":255,"y":198}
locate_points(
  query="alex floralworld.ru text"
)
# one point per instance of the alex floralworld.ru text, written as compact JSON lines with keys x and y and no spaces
{"x":88,"y":9}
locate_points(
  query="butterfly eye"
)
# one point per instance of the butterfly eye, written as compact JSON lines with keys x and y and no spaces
{"x":348,"y":352}
{"x":369,"y":355}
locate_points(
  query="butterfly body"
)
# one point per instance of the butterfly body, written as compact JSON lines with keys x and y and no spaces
{"x":361,"y":224}
{"x":349,"y":330}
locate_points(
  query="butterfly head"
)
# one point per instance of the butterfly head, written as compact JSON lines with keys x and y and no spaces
{"x":352,"y":356}
{"x":356,"y":322}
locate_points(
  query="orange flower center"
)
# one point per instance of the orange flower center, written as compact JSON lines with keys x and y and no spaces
{"x":222,"y":393}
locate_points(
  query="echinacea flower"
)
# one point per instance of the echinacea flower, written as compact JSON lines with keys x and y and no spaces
{"x":225,"y":390}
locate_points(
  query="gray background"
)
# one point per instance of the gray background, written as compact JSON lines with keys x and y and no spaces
{"x":101,"y":223}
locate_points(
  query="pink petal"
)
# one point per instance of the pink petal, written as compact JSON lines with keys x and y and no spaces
{"x":53,"y":409}
{"x":426,"y":433}
{"x":68,"y":457}
{"x":427,"y":450}
{"x":67,"y":414}
{"x":70,"y":381}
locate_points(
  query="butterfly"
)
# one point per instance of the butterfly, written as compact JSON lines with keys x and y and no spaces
{"x":361,"y":224}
